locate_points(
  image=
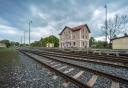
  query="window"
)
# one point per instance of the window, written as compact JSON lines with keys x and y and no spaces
{"x":83,"y":43}
{"x":83,"y":36}
{"x":74,"y":36}
{"x":74,"y":43}
{"x":86,"y":37}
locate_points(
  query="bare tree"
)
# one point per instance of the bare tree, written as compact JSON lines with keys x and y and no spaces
{"x":116,"y":26}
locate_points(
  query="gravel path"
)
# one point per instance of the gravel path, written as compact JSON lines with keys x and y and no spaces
{"x":28,"y":74}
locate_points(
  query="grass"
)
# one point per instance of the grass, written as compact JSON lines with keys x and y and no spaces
{"x":8,"y":56}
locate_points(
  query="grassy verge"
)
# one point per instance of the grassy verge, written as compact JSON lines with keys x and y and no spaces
{"x":8,"y":56}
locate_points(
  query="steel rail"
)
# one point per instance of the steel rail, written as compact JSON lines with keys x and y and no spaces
{"x":68,"y":56}
{"x":86,"y":60}
{"x":100,"y":57}
{"x":73,"y":80}
{"x":116,"y":78}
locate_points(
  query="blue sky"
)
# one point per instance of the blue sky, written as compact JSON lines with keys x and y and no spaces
{"x":50,"y":16}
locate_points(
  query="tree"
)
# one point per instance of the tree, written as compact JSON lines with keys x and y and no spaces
{"x":115,"y":26}
{"x":36,"y":43}
{"x":55,"y":40}
{"x":6,"y":42}
{"x":101,"y":44}
{"x":92,"y":41}
{"x":44,"y":41}
{"x":125,"y":34}
{"x":17,"y":43}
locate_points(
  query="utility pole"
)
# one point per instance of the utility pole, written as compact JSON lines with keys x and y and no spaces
{"x":24,"y":37}
{"x":53,"y":42}
{"x":106,"y":23}
{"x":21,"y":40}
{"x":29,"y":29}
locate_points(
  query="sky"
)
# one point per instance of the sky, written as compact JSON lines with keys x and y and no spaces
{"x":51,"y":16}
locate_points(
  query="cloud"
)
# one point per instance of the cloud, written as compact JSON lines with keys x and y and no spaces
{"x":8,"y":30}
{"x":50,"y":16}
{"x":11,"y":33}
{"x":2,"y":21}
{"x":39,"y":32}
{"x":36,"y":12}
{"x":100,"y":38}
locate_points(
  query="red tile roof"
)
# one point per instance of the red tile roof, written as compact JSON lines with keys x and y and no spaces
{"x":77,"y":28}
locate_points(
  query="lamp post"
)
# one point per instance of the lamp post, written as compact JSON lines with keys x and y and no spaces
{"x":29,"y":30}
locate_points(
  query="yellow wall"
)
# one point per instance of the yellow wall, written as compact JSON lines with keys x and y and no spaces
{"x":121,"y":43}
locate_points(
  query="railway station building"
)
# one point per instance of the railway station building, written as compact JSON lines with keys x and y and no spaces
{"x":120,"y":43}
{"x":75,"y":37}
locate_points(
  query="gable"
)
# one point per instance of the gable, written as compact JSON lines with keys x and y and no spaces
{"x":77,"y":28}
{"x":65,"y":28}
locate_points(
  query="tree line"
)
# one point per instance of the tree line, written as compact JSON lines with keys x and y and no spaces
{"x":41,"y":43}
{"x":10,"y":43}
{"x":44,"y":41}
{"x":98,"y":44}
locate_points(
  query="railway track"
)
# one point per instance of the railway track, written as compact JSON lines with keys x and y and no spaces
{"x":107,"y":67}
{"x":87,"y":59}
{"x":120,"y":71}
{"x":53,"y":62}
{"x":121,"y":59}
{"x":59,"y":72}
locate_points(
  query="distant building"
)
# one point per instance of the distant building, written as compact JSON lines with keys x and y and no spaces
{"x":120,"y":43}
{"x":74,"y":37}
{"x":50,"y":44}
{"x":2,"y":45}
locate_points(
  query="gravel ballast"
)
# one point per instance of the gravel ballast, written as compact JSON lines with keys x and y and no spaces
{"x":120,"y":72}
{"x":28,"y":74}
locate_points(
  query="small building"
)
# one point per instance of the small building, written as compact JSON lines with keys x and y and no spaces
{"x":74,"y":37}
{"x":50,"y":44}
{"x":120,"y":43}
{"x":2,"y":45}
